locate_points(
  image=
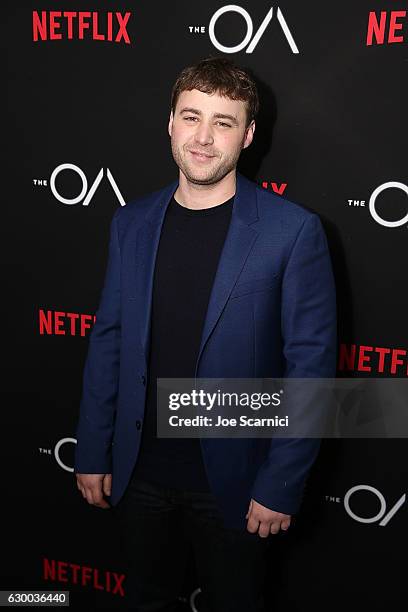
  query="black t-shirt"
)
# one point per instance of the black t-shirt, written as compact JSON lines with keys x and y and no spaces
{"x":189,"y":249}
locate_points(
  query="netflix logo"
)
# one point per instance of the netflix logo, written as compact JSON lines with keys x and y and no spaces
{"x":81,"y":575}
{"x":70,"y":25}
{"x":374,"y":359}
{"x":57,"y":323}
{"x":386,"y":28}
{"x":275,"y":187}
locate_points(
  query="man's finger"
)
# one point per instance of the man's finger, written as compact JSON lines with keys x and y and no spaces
{"x":107,"y":484}
{"x":96,"y":493}
{"x":91,"y":494}
{"x":252,"y":525}
{"x":95,"y":497}
{"x":249,"y":510}
{"x":88,"y":495}
{"x":275,"y":527}
{"x":263,"y":530}
{"x":102,"y":504}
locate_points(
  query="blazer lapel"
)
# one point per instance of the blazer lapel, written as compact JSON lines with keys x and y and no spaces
{"x":148,"y":238}
{"x":238,"y":244}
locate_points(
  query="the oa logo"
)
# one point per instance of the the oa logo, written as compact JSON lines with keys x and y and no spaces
{"x":373,"y":199}
{"x":84,"y":194}
{"x":57,"y":449}
{"x":252,"y":40}
{"x":193,"y":600}
{"x":383,"y":516}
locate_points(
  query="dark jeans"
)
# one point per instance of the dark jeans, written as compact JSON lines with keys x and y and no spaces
{"x":160,"y":527}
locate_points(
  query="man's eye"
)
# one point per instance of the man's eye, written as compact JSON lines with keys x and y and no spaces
{"x":188,"y":118}
{"x":224,"y":124}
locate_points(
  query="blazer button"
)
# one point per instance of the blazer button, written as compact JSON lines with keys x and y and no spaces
{"x":143,"y":377}
{"x":138,"y":424}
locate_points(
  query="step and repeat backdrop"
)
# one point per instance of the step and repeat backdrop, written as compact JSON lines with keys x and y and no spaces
{"x":86,"y":131}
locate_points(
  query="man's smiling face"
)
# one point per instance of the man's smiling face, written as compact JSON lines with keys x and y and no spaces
{"x":207,"y":133}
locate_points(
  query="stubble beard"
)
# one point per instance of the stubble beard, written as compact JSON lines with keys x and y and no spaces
{"x":210,"y":176}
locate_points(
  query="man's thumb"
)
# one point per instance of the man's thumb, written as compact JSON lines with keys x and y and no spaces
{"x":107,"y":484}
{"x":249,"y":510}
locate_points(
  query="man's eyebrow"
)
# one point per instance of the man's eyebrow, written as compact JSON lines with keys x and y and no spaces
{"x":189,"y":109}
{"x":224,"y":116}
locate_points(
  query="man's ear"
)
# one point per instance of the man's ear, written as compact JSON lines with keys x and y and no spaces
{"x":170,"y":126}
{"x":249,"y":134}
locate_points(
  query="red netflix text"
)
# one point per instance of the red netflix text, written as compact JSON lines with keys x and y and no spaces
{"x":71,"y":573}
{"x":57,"y":25}
{"x":385,"y":28}
{"x":57,"y":323}
{"x":377,"y":359}
{"x":279,"y":189}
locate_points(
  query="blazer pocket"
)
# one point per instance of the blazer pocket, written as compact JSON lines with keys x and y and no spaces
{"x":254,"y":286}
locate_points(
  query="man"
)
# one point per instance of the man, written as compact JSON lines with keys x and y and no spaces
{"x":210,"y":277}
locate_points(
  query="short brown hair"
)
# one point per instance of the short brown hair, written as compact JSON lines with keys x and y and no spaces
{"x":221,"y":75}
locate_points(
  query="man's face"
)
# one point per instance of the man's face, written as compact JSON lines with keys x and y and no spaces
{"x":207,"y":135}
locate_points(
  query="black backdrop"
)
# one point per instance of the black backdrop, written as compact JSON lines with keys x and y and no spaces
{"x":332,"y":129}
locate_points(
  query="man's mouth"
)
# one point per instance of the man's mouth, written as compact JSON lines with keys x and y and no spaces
{"x":199,"y":156}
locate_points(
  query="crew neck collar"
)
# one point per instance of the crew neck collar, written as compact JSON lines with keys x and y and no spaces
{"x":193,"y":212}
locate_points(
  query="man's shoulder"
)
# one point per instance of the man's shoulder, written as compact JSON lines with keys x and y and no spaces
{"x":136,"y":209}
{"x":139,"y":205}
{"x":282,"y":214}
{"x":273,"y":204}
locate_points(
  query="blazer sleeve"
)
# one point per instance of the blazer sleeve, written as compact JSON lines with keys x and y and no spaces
{"x":309,"y":333}
{"x":101,"y":372}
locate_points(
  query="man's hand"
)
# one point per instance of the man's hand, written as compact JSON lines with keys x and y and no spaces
{"x":94,"y":486}
{"x":265,"y":521}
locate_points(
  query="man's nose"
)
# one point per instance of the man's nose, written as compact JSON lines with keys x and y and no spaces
{"x":203,"y":134}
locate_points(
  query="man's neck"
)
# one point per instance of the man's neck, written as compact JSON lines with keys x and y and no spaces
{"x":196,"y":196}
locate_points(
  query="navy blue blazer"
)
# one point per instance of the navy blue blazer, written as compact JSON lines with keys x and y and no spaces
{"x":271,"y":313}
